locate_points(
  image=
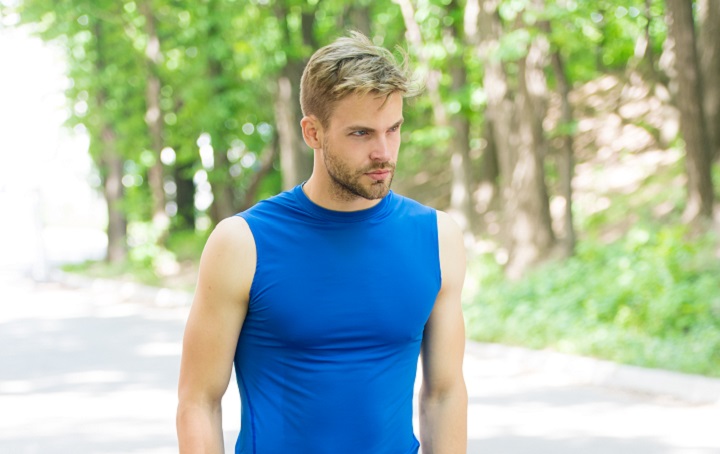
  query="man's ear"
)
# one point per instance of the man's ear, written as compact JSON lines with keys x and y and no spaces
{"x":312,"y":131}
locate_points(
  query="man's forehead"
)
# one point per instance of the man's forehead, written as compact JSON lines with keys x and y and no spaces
{"x":368,"y":108}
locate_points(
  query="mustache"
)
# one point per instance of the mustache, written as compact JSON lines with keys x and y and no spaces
{"x":382,"y":166}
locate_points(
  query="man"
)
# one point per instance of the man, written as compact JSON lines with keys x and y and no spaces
{"x":325,"y":295}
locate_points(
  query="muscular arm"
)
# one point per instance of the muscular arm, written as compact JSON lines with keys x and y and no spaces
{"x":443,"y":397}
{"x":218,"y":310}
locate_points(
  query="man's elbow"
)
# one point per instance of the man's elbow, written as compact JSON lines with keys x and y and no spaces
{"x":194,"y":407}
{"x":453,"y":389}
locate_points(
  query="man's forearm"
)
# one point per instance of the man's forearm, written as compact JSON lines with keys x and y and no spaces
{"x":443,"y":422}
{"x":199,"y":429}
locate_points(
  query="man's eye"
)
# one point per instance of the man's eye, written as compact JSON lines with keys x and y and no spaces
{"x":359,"y":133}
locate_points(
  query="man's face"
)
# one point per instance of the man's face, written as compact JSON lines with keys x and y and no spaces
{"x":360,"y":145}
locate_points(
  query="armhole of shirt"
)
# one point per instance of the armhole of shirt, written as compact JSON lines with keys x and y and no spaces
{"x":245,"y":217}
{"x":436,"y":247}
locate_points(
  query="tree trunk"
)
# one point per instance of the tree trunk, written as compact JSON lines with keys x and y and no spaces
{"x":649,"y":52}
{"x":358,"y":16}
{"x":286,"y":123}
{"x":109,"y":159}
{"x":221,"y":181}
{"x":461,"y":195}
{"x":709,"y":51}
{"x":184,"y":196}
{"x":567,"y":158}
{"x":295,"y":158}
{"x":692,"y":118}
{"x":488,"y":181}
{"x":518,"y":136}
{"x":532,"y":237}
{"x":644,"y":60}
{"x":500,"y":113}
{"x":153,"y":116}
{"x":113,"y":191}
{"x":250,"y":196}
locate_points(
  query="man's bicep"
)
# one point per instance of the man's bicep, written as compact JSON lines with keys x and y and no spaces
{"x":218,"y":310}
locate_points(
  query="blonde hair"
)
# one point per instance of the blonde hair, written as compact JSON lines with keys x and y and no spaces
{"x":351,"y":65}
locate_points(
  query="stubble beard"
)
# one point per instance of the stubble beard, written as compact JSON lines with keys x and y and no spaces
{"x":348,"y":184}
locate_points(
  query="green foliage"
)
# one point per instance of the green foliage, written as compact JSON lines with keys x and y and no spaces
{"x":219,"y":61}
{"x":650,"y":299}
{"x":187,"y":245}
{"x":126,"y":271}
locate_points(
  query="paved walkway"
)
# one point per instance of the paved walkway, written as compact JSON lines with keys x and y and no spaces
{"x":83,"y":370}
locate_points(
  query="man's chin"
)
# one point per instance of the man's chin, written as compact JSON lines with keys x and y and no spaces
{"x":357,"y":189}
{"x":377,"y":191}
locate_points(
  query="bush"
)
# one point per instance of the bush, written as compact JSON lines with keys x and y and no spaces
{"x":650,"y":299}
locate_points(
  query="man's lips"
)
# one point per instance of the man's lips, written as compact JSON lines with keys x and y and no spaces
{"x":378,"y":175}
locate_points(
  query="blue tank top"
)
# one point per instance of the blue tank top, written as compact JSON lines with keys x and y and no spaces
{"x":327,"y":355}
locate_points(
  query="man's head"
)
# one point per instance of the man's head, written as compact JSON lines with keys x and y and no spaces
{"x":352,"y":97}
{"x":350,"y":65}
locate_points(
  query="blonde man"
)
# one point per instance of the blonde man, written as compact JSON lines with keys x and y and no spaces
{"x":324,"y":296}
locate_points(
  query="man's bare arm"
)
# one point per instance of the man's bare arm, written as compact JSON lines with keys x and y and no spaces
{"x":218,"y":311}
{"x":443,"y":397}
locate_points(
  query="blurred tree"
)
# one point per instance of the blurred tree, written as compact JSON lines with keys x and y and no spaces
{"x":106,"y":145}
{"x":690,"y":104}
{"x":153,"y":113}
{"x":516,"y":108}
{"x":463,"y":181}
{"x":565,"y":133}
{"x":357,"y":16}
{"x":499,"y":112}
{"x":296,"y":21}
{"x":709,"y":54}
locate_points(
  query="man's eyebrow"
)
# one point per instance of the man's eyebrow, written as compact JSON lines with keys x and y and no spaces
{"x":366,"y":128}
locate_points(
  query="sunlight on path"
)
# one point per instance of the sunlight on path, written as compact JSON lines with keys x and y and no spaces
{"x":83,"y":373}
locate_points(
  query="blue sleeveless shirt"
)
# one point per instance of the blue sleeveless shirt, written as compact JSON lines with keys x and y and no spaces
{"x":327,"y":354}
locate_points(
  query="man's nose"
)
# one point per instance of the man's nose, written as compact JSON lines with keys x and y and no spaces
{"x":381,"y":150}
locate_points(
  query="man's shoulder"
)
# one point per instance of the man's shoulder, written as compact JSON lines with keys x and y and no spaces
{"x":228,"y":247}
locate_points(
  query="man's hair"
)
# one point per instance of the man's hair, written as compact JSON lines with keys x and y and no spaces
{"x":351,"y":65}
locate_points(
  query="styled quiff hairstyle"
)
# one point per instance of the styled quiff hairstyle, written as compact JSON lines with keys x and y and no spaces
{"x":351,"y":65}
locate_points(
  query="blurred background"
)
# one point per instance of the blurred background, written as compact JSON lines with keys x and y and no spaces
{"x":577,"y":143}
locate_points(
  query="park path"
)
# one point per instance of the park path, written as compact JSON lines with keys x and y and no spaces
{"x":84,"y":370}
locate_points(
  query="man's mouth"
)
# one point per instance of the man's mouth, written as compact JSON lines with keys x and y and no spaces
{"x":379,"y":175}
